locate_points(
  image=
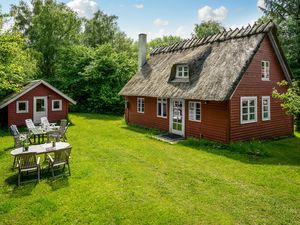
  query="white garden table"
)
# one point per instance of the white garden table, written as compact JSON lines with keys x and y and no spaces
{"x":39,"y":149}
{"x":42,"y":148}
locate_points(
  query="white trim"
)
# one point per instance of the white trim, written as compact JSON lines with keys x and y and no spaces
{"x":262,"y":108}
{"x":182,"y":66}
{"x":182,"y":133}
{"x":35,"y":117}
{"x":265,"y":70}
{"x":60,"y":105}
{"x":248,"y":98}
{"x":280,"y":58}
{"x":138,"y":108}
{"x":22,"y":111}
{"x":194,"y":103}
{"x":34,"y":86}
{"x":162,"y":101}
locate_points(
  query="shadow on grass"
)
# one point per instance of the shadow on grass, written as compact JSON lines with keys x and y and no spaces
{"x":26,"y":188}
{"x":285,"y":151}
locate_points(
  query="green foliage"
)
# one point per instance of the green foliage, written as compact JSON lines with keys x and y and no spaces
{"x":48,"y":25}
{"x":101,"y":29}
{"x":17,"y":63}
{"x":207,"y":28}
{"x":290,"y":100}
{"x":287,"y":15}
{"x":94,"y":76}
{"x":163,"y":41}
{"x":108,"y":73}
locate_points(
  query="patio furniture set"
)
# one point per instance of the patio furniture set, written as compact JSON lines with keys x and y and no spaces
{"x":56,"y":150}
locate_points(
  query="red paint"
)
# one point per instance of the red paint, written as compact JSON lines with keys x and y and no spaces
{"x":41,"y":90}
{"x":220,"y":121}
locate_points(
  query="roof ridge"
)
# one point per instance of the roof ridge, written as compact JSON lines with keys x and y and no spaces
{"x":218,"y":37}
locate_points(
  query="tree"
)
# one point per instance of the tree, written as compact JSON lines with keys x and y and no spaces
{"x":287,"y":15}
{"x":207,"y":28}
{"x":163,"y":41}
{"x":290,"y":99}
{"x":48,"y":26}
{"x":101,"y":29}
{"x":17,"y":64}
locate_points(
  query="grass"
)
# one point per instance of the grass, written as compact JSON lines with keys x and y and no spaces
{"x":120,"y":175}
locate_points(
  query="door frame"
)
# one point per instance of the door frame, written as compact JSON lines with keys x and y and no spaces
{"x":34,"y":106}
{"x":171,"y":116}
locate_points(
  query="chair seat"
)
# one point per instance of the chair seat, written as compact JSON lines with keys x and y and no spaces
{"x":28,"y":169}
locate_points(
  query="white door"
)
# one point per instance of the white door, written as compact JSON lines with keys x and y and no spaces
{"x":39,"y":108}
{"x":177,"y":116}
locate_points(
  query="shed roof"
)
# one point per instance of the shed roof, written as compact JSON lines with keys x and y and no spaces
{"x":28,"y":87}
{"x":217,"y":64}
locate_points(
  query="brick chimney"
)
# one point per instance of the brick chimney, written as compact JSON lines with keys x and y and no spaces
{"x":142,"y":50}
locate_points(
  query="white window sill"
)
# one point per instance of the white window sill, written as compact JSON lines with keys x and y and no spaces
{"x":247,"y":122}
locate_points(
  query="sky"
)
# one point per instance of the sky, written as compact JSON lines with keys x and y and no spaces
{"x":157,"y":18}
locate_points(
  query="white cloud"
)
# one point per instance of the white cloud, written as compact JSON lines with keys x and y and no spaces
{"x":84,"y":8}
{"x":207,"y":13}
{"x":138,"y":6}
{"x":160,"y":22}
{"x":261,"y":4}
{"x":183,"y":31}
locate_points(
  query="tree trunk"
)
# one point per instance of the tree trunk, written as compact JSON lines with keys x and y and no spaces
{"x":297,"y":123}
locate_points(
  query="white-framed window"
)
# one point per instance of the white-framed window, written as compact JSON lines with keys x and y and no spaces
{"x":22,"y":106}
{"x":266,"y":108}
{"x":56,"y":105}
{"x":161,"y":107}
{"x":265,"y":70}
{"x":248,"y":110}
{"x":140,"y":105}
{"x":195,"y":111}
{"x":182,"y":71}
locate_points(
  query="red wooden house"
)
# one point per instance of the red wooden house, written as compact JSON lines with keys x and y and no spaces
{"x":35,"y":100}
{"x":218,"y":87}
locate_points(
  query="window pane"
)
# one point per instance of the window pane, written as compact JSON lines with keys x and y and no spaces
{"x":266,"y":114}
{"x":159,"y":109}
{"x":245,"y":117}
{"x":245,"y":103}
{"x":252,"y":116}
{"x":22,"y":106}
{"x":252,"y":102}
{"x":266,"y":108}
{"x":164,"y":109}
{"x":197,"y":116}
{"x":56,"y":104}
{"x":252,"y":109}
{"x":40,"y":105}
{"x":245,"y":110}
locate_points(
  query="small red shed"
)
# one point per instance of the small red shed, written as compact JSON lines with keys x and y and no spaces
{"x":35,"y":100}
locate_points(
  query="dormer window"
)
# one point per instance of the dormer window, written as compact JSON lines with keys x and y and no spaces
{"x":182,"y":71}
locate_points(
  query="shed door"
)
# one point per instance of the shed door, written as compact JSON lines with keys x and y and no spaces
{"x":39,"y":108}
{"x":177,"y":116}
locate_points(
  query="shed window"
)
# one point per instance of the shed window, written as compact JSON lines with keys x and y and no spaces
{"x":265,"y":70}
{"x":266,"y":108}
{"x":56,"y":105}
{"x":182,"y":71}
{"x":22,"y":106}
{"x":248,"y":110}
{"x":140,"y":105}
{"x":162,"y":107}
{"x":195,"y":111}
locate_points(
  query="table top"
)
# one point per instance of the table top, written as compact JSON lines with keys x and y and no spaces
{"x":42,"y":148}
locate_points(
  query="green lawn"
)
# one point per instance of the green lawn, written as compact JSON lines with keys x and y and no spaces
{"x":120,"y":175}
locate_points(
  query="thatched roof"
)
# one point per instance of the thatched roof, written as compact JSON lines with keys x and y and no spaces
{"x":216,"y":64}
